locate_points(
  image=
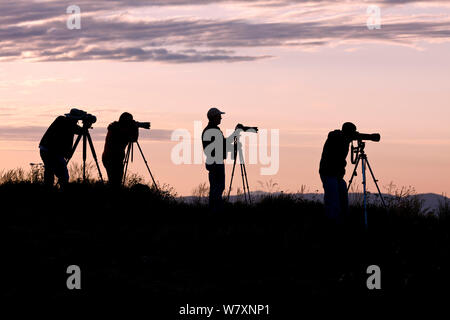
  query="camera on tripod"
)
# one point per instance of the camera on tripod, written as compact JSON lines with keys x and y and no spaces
{"x":359,"y":155}
{"x":143,"y":125}
{"x":87,"y":118}
{"x":361,"y":137}
{"x":375,"y":137}
{"x":246,"y":129}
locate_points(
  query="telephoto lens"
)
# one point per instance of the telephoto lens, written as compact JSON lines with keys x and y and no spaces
{"x":367,"y":136}
{"x":143,"y":125}
{"x":89,"y":118}
{"x":250,"y":129}
{"x":246,"y":129}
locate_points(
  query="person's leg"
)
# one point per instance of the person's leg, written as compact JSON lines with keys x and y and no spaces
{"x":49,"y":175}
{"x":220,"y":185}
{"x":60,"y":168}
{"x":347,"y":249}
{"x":114,"y":170}
{"x":331,"y":197}
{"x":329,"y":235}
{"x":116,"y":173}
{"x":343,"y":200}
{"x":216,"y":186}
{"x":212,"y":188}
{"x":107,"y":166}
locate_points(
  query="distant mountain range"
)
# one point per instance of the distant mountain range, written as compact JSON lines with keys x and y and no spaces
{"x":430,"y":201}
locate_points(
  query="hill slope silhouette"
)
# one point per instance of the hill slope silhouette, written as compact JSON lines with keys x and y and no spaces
{"x":139,"y":242}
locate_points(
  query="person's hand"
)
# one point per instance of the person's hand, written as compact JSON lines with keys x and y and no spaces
{"x":239,"y":127}
{"x":86,"y":125}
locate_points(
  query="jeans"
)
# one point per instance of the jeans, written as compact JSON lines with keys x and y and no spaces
{"x":114,"y":169}
{"x":54,"y":165}
{"x":335,"y":198}
{"x":216,"y":186}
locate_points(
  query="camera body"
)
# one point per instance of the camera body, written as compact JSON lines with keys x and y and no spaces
{"x":87,"y":118}
{"x":246,"y":129}
{"x":143,"y":125}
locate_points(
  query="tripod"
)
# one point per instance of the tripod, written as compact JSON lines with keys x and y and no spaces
{"x":128,"y":154}
{"x":243,"y":171}
{"x":86,"y":138}
{"x":357,"y":155}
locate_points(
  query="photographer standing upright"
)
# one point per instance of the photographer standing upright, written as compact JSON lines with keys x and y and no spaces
{"x":216,"y":146}
{"x":120,"y":134}
{"x":56,"y":147}
{"x":332,"y":171}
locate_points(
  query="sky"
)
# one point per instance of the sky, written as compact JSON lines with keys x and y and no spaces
{"x":300,"y":68}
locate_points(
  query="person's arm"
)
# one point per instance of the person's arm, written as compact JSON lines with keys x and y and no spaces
{"x":337,"y":153}
{"x":133,"y":133}
{"x":108,"y":139}
{"x":209,"y":137}
{"x":79,"y":130}
{"x":229,"y":141}
{"x":206,"y":142}
{"x":237,"y":130}
{"x":61,"y":136}
{"x":73,"y":125}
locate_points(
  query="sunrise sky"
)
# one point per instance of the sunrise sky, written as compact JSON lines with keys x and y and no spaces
{"x":303,"y":67}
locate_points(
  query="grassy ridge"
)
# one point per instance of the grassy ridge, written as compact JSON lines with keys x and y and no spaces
{"x":137,"y":241}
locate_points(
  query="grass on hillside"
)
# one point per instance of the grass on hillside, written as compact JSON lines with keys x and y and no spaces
{"x":140,"y":241}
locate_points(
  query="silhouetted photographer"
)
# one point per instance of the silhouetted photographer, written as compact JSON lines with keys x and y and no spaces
{"x":56,"y":147}
{"x":332,"y":169}
{"x":216,"y":146}
{"x":120,"y":134}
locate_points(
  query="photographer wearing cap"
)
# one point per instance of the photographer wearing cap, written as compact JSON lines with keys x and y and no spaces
{"x":56,"y":147}
{"x":332,"y":171}
{"x":120,"y":133}
{"x":216,"y":146}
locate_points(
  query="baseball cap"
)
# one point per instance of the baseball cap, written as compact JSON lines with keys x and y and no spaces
{"x":213,"y":112}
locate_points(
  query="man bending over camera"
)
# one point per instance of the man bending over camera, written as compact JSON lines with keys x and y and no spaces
{"x":120,"y":134}
{"x":332,"y":171}
{"x":56,"y":147}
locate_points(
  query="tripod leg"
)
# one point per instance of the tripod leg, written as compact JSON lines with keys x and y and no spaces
{"x":246,"y":181}
{"x":75,"y":145}
{"x":376,"y":184}
{"x":84,"y":156}
{"x":94,"y":155}
{"x":231,"y":181}
{"x":125,"y":163}
{"x":243,"y":183}
{"x":234,"y":166}
{"x":148,"y":168}
{"x":132,"y":152}
{"x":238,"y":152}
{"x":353,"y":174}
{"x":363,"y":165}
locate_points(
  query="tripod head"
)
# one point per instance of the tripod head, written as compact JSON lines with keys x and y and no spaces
{"x":86,"y":126}
{"x":237,"y":135}
{"x":357,"y":151}
{"x":81,"y":115}
{"x":237,"y":148}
